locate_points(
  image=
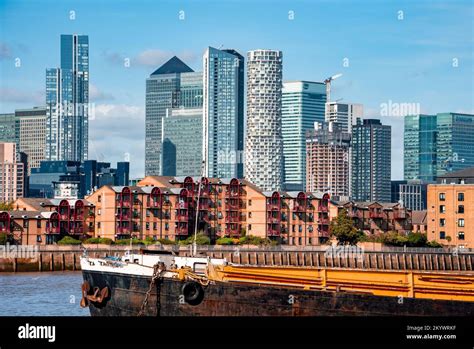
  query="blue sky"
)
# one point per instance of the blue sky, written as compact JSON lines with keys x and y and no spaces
{"x":407,"y":60}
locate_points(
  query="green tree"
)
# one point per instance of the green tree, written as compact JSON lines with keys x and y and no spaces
{"x":343,"y":229}
{"x":6,"y":206}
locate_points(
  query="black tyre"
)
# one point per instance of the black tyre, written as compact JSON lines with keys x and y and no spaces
{"x":193,"y":293}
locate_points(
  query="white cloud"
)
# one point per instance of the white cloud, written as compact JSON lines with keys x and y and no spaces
{"x":150,"y":57}
{"x":95,"y":94}
{"x":10,"y":94}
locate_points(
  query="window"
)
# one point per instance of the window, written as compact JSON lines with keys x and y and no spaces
{"x":461,"y":235}
{"x":98,"y":212}
{"x":442,"y":196}
{"x":460,"y":196}
{"x":250,"y":227}
{"x":442,"y":235}
{"x":461,"y":222}
{"x":250,"y":202}
{"x":25,"y":223}
{"x":154,"y":226}
{"x":38,"y":238}
{"x":442,"y":209}
{"x":310,"y":240}
{"x":38,"y":223}
{"x":250,"y":214}
{"x":147,"y":225}
{"x":98,"y":225}
{"x":167,"y":226}
{"x":442,"y":222}
{"x":460,"y":208}
{"x":299,"y":241}
{"x":99,"y":198}
{"x":300,"y":228}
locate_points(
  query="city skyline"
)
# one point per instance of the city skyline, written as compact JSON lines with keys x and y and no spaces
{"x":410,"y":70}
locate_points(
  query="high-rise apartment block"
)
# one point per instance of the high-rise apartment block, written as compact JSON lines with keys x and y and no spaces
{"x":264,"y":142}
{"x":327,"y":160}
{"x":371,"y":161}
{"x":67,"y":102}
{"x":437,"y":144}
{"x":344,"y":114}
{"x":174,"y":85}
{"x":11,"y":172}
{"x":302,"y":105}
{"x":223,"y":113}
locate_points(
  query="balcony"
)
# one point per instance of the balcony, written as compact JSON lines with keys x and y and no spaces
{"x":125,"y":203}
{"x":273,"y":232}
{"x":352,"y":214}
{"x":399,"y":214}
{"x":52,"y":230}
{"x":182,"y":217}
{"x":233,"y":204}
{"x":299,"y":208}
{"x":154,"y":204}
{"x":323,"y":221}
{"x":181,"y":231}
{"x":373,"y":214}
{"x":273,"y":206}
{"x":232,"y":232}
{"x":232,"y":219}
{"x":64,"y":217}
{"x":324,"y":233}
{"x":323,"y":208}
{"x":272,"y":219}
{"x":123,"y":217}
{"x":76,"y":230}
{"x":232,"y":193}
{"x":123,"y":230}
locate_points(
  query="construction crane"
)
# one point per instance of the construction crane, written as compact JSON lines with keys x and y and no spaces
{"x":328,"y":86}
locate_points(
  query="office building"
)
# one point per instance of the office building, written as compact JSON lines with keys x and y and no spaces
{"x":182,"y":142}
{"x":344,"y":114}
{"x":437,"y":144}
{"x":67,"y":102}
{"x":371,"y":161}
{"x":8,"y":132}
{"x":264,"y":141}
{"x":302,"y":105}
{"x":174,"y":85}
{"x":327,"y":160}
{"x":223,"y":113}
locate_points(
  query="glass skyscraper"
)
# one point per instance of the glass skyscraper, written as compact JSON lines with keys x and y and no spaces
{"x":437,"y":144}
{"x":223,"y":113}
{"x":173,"y":85}
{"x":67,"y":102}
{"x":371,"y":161}
{"x":303,"y":104}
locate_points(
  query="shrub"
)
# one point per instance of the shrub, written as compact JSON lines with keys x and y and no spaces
{"x":201,"y":239}
{"x":105,"y":241}
{"x":434,"y":244}
{"x":416,"y":240}
{"x":127,"y":242}
{"x":3,"y":238}
{"x":166,"y":241}
{"x":68,"y":240}
{"x":225,"y":241}
{"x":254,"y":240}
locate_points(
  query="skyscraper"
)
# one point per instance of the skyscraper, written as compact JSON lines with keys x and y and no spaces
{"x":437,"y":144}
{"x":264,"y":142}
{"x":302,"y":105}
{"x":67,"y":98}
{"x":345,"y":114}
{"x":11,"y":173}
{"x":327,"y":162}
{"x":8,"y":128}
{"x":371,"y":161}
{"x":223,"y":113}
{"x":31,"y":129}
{"x":173,"y":85}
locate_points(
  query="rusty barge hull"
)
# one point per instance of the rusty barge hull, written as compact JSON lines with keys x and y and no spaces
{"x":127,"y":293}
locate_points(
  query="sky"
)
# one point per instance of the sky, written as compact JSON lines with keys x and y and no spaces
{"x":416,"y":53}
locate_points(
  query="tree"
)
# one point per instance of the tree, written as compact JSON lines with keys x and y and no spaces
{"x":6,"y":206}
{"x":343,"y":229}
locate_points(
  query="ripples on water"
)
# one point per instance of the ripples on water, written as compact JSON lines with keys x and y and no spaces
{"x":41,"y":294}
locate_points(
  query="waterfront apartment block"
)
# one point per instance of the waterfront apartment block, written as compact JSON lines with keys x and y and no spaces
{"x":451,"y":209}
{"x":437,"y":144}
{"x":12,"y":172}
{"x":344,"y":114}
{"x":165,"y":207}
{"x":371,"y":161}
{"x":223,"y":113}
{"x":302,"y":105}
{"x":42,"y":221}
{"x":174,"y":85}
{"x":327,"y":160}
{"x":264,"y":142}
{"x":67,"y":102}
{"x":376,"y":218}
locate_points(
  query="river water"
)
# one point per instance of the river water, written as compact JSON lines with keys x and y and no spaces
{"x":41,"y":294}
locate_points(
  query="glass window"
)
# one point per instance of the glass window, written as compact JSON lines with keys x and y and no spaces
{"x":460,"y":208}
{"x":442,"y":209}
{"x":442,"y":235}
{"x":461,"y":235}
{"x":460,"y":196}
{"x":442,"y":196}
{"x":442,"y":222}
{"x":461,"y":222}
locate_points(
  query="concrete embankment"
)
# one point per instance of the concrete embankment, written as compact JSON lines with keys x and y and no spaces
{"x":58,"y":258}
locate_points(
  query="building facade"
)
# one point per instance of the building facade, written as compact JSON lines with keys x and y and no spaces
{"x":327,"y":160}
{"x":182,"y":142}
{"x":12,"y":173}
{"x":344,"y":114}
{"x":165,"y":208}
{"x":303,"y":104}
{"x":8,"y":133}
{"x":376,"y":218}
{"x":32,"y":135}
{"x":67,"y":102}
{"x":223,"y":113}
{"x":437,"y":144}
{"x":264,"y":142}
{"x":173,"y":85}
{"x":451,"y":209}
{"x":371,"y":161}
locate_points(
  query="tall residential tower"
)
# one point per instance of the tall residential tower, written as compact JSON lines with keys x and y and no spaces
{"x":67,"y":102}
{"x":223,"y":113}
{"x":264,"y":142}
